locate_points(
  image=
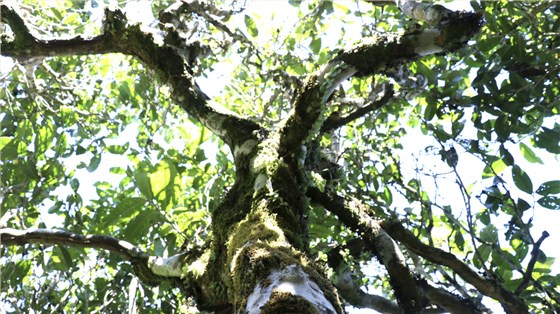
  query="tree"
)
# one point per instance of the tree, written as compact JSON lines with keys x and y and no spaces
{"x":125,"y":186}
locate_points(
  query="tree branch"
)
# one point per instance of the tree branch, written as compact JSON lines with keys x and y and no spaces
{"x":431,"y":13}
{"x":332,"y":123}
{"x":172,"y":65}
{"x":152,"y":270}
{"x":352,"y":214}
{"x":367,"y":59}
{"x":450,"y":302}
{"x":491,"y":288}
{"x":352,"y":293}
{"x":391,"y":50}
{"x":534,"y":255}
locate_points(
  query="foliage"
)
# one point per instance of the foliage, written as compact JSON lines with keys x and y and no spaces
{"x":92,"y":144}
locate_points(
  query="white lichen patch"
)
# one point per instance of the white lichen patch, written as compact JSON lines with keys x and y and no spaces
{"x":197,"y":267}
{"x":244,"y":149}
{"x":332,"y":75}
{"x":262,"y":181}
{"x":291,"y":279}
{"x":167,"y":267}
{"x":427,"y":42}
{"x":268,"y":154}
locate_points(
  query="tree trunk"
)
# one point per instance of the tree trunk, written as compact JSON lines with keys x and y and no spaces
{"x":259,"y":256}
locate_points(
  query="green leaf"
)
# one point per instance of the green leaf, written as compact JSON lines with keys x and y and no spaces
{"x":118,"y":149}
{"x":506,"y":156}
{"x":549,"y":187}
{"x":80,"y":150}
{"x":460,"y":241}
{"x":522,"y":179}
{"x":125,"y":209}
{"x":4,"y":140}
{"x":66,"y":257}
{"x":502,"y":128}
{"x":143,"y":183}
{"x":251,"y":26}
{"x":497,"y":167}
{"x":484,"y":217}
{"x":315,"y":45}
{"x":44,"y":138}
{"x":124,"y":91}
{"x":522,"y":205}
{"x":94,"y":163}
{"x":387,"y":196}
{"x":481,"y":258}
{"x":117,"y":170}
{"x":550,"y":202}
{"x":75,"y":184}
{"x":489,"y":234}
{"x":457,"y":127}
{"x":140,"y":225}
{"x":430,"y":110}
{"x":549,"y":139}
{"x":528,"y":153}
{"x":163,"y":176}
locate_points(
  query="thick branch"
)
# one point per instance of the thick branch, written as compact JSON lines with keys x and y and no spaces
{"x":450,"y":302}
{"x":388,"y":51}
{"x":367,"y":59}
{"x":347,"y":286}
{"x":353,"y":216}
{"x":491,"y":288}
{"x":352,"y":293}
{"x":169,"y":64}
{"x":150,"y":269}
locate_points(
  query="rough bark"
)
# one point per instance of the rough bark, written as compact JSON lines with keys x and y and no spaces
{"x":259,"y":230}
{"x":152,"y":270}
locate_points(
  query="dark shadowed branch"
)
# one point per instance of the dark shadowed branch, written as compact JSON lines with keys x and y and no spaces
{"x":150,"y":269}
{"x":333,"y":122}
{"x":170,"y":62}
{"x":352,"y":214}
{"x":351,"y":292}
{"x":531,"y":265}
{"x":488,"y":287}
{"x":358,"y":217}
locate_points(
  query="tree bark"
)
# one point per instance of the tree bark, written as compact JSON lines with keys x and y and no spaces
{"x":258,"y":257}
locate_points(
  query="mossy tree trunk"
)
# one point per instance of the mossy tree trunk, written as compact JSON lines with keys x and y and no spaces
{"x":259,"y":256}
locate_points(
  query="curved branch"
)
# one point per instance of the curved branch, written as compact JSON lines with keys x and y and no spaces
{"x":367,"y":59}
{"x":352,"y":293}
{"x":152,"y":270}
{"x":347,"y":286}
{"x":450,"y":302}
{"x":391,"y":50}
{"x":353,"y":215}
{"x":172,"y":65}
{"x":431,"y":13}
{"x":491,"y":288}
{"x":333,"y":123}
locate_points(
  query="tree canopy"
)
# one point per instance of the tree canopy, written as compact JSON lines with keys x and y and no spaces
{"x":233,"y":156}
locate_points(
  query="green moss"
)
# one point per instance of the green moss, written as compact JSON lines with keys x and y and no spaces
{"x":285,"y":302}
{"x":258,"y":226}
{"x":197,"y":268}
{"x":255,"y":262}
